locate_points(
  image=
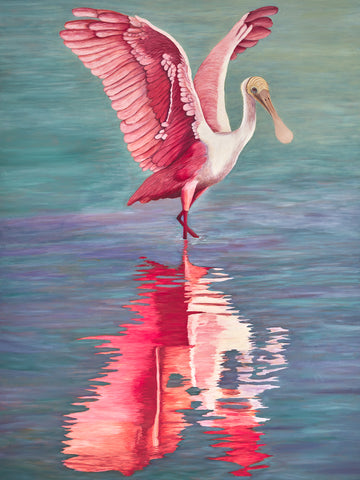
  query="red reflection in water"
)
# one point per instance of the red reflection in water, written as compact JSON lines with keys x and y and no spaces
{"x":184,"y":338}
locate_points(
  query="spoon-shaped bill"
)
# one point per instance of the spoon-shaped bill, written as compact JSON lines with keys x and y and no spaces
{"x":282,"y":132}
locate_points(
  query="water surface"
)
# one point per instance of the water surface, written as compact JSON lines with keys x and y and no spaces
{"x":126,"y":352}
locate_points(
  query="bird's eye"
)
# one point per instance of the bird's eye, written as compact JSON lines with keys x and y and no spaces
{"x":254,"y":90}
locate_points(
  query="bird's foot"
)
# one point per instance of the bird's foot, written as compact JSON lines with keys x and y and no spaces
{"x":186,"y":228}
{"x":191,"y":231}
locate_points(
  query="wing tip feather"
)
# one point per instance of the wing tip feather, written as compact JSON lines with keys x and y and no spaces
{"x":85,"y":12}
{"x":261,"y":23}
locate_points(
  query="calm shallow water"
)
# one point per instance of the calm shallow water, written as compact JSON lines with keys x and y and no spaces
{"x":125,"y":350}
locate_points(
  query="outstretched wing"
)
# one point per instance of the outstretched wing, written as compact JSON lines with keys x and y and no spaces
{"x":147,"y":76}
{"x":210,"y":78}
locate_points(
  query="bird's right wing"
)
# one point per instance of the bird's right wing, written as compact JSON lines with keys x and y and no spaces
{"x":210,"y":78}
{"x":147,"y":76}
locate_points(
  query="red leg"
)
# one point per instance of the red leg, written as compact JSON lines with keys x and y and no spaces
{"x":185,"y":225}
{"x":197,"y":195}
{"x":190,"y":230}
{"x":188,"y":197}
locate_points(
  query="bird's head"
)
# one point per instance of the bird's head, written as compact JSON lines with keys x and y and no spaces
{"x":258,"y":88}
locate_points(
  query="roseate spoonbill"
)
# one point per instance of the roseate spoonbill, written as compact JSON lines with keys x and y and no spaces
{"x":174,"y":127}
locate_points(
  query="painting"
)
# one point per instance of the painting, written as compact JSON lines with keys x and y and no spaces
{"x":197,"y":317}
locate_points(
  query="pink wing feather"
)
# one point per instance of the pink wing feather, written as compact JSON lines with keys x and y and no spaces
{"x":147,"y":76}
{"x":210,"y":78}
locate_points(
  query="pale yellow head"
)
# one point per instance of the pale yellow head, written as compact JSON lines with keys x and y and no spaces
{"x":256,"y":85}
{"x":258,"y":88}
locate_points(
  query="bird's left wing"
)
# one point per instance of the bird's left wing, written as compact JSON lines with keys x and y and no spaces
{"x":210,"y":78}
{"x":146,"y":74}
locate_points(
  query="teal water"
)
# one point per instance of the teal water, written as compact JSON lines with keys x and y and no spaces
{"x":282,"y":232}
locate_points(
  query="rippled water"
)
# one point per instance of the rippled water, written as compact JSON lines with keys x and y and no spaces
{"x":188,"y":359}
{"x":126,"y":351}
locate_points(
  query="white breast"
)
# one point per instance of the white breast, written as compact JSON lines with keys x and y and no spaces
{"x":223,"y":151}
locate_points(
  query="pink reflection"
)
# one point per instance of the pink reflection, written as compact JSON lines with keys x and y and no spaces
{"x":188,"y":335}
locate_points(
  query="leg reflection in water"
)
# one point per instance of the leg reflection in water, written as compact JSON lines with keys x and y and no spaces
{"x":188,"y":348}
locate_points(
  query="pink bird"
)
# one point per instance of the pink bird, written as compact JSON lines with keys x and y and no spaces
{"x":173,"y":126}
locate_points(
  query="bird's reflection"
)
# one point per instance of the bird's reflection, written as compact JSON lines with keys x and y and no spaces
{"x":187,"y":349}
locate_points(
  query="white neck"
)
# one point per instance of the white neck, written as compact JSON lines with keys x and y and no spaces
{"x":247,"y":128}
